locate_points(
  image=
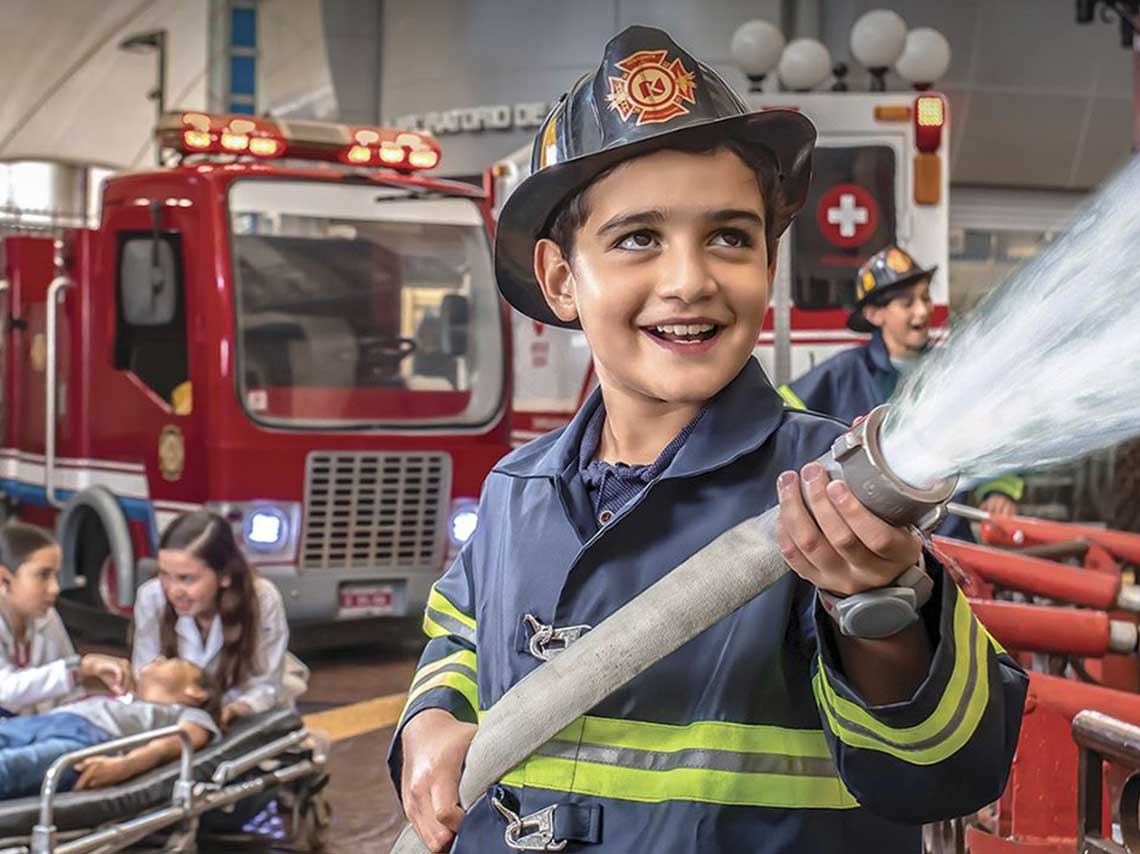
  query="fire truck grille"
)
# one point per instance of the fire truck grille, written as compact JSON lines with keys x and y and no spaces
{"x":375,"y":511}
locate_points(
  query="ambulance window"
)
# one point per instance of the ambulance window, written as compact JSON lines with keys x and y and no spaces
{"x":150,"y":326}
{"x":848,"y":216}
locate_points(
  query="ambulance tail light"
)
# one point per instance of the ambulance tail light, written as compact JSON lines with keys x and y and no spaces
{"x":929,"y":119}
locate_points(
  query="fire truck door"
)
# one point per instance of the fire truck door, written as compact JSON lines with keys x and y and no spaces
{"x":148,"y":254}
{"x":30,"y":270}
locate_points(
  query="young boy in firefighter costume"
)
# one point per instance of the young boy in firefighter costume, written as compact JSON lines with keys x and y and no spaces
{"x":651,"y":222}
{"x":893,"y":303}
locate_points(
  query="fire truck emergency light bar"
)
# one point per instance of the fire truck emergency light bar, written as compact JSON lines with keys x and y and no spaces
{"x":264,"y":139}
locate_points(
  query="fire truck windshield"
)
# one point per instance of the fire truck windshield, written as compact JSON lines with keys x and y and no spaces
{"x":359,"y":306}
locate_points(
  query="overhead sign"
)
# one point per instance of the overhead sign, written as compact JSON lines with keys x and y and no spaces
{"x":476,"y":119}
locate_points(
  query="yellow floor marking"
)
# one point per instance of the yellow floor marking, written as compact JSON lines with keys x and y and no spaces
{"x":358,"y":718}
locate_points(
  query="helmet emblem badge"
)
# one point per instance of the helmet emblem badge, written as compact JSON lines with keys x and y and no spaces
{"x":651,"y":88}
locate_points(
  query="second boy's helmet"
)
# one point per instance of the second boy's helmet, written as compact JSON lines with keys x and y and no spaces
{"x":885,"y":272}
{"x":647,"y":94}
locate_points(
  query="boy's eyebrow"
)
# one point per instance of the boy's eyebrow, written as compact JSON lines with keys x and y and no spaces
{"x":730,"y":214}
{"x":655,"y":216}
{"x":623,"y":220}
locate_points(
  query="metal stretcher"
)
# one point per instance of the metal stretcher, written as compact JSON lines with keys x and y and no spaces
{"x":261,"y":755}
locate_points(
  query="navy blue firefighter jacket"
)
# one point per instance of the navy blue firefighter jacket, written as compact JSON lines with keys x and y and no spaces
{"x":852,"y":383}
{"x":747,"y":739}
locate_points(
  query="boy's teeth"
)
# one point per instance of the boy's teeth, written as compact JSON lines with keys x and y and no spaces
{"x":685,"y":329}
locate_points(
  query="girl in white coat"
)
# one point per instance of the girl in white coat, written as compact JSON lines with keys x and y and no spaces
{"x":38,"y":665}
{"x":207,"y":606}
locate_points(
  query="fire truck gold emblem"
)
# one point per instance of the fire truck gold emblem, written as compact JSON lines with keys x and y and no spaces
{"x":651,"y":88}
{"x":171,"y":453}
{"x":39,"y":353}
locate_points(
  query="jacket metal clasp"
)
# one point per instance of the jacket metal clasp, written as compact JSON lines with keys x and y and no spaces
{"x":546,"y":641}
{"x":534,"y":832}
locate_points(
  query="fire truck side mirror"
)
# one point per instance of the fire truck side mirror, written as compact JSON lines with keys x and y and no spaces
{"x":454,"y":315}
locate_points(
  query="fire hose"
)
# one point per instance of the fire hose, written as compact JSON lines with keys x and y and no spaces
{"x":723,"y":576}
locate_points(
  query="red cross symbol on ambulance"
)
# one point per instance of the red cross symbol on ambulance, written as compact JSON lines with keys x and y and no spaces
{"x":847,"y":215}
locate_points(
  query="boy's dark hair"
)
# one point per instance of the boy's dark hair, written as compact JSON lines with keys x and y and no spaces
{"x":572,"y":213}
{"x":19,"y":540}
{"x":212,"y":705}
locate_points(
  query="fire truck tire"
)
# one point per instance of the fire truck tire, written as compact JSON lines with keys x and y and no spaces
{"x":1126,"y":488}
{"x":95,"y":538}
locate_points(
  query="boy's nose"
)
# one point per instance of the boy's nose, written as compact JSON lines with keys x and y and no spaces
{"x":688,"y":277}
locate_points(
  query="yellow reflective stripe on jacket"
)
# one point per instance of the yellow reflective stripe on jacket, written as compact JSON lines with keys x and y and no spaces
{"x":1011,"y":485}
{"x":456,"y":671}
{"x":791,"y":398}
{"x":949,"y":726}
{"x":707,"y":761}
{"x":441,"y":618}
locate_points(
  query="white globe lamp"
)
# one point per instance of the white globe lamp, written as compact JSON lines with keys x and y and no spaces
{"x":804,"y":64}
{"x":925,"y":58}
{"x":756,"y":49}
{"x":877,"y":41}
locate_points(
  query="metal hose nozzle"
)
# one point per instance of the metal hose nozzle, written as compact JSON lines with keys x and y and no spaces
{"x":857,"y":457}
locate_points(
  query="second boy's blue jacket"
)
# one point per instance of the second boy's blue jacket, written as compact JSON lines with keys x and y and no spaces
{"x":749,"y":737}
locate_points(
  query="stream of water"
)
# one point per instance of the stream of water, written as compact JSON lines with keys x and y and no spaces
{"x":1046,"y":369}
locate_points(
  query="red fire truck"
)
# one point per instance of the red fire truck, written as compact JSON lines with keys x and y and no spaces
{"x":290,"y":325}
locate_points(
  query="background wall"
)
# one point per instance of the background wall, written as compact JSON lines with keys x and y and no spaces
{"x":1037,"y":100}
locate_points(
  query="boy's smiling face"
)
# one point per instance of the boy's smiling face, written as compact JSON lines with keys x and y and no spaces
{"x":669,"y":274}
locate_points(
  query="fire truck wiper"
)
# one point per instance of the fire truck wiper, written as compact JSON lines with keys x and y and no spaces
{"x":411,"y":193}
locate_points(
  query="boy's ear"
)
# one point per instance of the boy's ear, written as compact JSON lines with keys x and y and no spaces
{"x":556,"y":278}
{"x":5,"y":577}
{"x":873,"y":314}
{"x":196,"y":694}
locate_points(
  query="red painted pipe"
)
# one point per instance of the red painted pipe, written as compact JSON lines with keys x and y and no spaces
{"x":1035,"y":575}
{"x":1069,"y":698}
{"x":1013,"y":530}
{"x":1037,"y":628}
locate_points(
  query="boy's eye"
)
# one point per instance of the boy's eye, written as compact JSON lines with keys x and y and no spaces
{"x":733,"y":238}
{"x":637,"y":241}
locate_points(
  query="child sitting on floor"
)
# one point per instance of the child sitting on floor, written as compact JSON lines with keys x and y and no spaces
{"x":168,"y":692}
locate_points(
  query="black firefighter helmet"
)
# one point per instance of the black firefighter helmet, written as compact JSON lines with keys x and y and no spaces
{"x":885,"y":272}
{"x":647,"y":94}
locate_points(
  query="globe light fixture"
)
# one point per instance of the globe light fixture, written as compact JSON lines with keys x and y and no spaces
{"x":877,"y":41}
{"x":756,"y":49}
{"x":804,"y":64}
{"x":925,"y":58}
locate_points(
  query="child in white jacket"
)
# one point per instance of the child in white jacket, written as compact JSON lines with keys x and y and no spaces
{"x":38,"y":665}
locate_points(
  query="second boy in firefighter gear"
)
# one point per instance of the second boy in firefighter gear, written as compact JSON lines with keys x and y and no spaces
{"x":655,"y":205}
{"x":893,"y":303}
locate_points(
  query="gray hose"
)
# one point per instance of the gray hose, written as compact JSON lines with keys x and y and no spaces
{"x":726,"y":574}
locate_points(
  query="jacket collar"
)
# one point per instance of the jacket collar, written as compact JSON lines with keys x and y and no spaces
{"x":739,"y":419}
{"x":878,"y":354}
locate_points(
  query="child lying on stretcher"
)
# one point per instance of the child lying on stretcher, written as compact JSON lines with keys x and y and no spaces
{"x":168,"y":692}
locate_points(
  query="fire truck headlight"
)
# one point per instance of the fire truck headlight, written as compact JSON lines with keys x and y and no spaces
{"x":464,"y":520}
{"x":266,"y":528}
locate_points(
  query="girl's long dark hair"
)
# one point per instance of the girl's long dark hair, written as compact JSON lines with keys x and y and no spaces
{"x":209,"y":538}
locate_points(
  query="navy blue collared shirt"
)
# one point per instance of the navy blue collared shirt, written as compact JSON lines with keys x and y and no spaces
{"x":613,"y":485}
